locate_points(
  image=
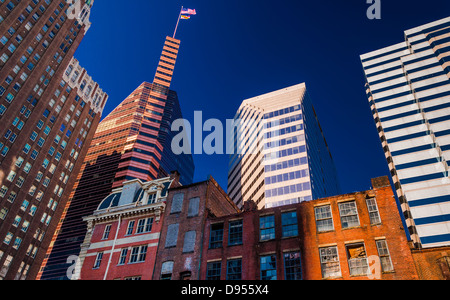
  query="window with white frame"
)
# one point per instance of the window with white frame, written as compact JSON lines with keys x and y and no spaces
{"x":357,"y":259}
{"x":373,"y":211}
{"x":349,"y":214}
{"x":144,"y":225}
{"x":98,"y":260}
{"x":385,"y":257}
{"x":138,"y":254}
{"x":324,"y":218}
{"x":106,"y":232}
{"x":329,"y":261}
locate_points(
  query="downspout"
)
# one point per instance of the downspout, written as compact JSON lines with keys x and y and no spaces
{"x":208,"y":184}
{"x":113,"y":247}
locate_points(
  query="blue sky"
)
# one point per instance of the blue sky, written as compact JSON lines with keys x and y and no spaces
{"x":233,"y":50}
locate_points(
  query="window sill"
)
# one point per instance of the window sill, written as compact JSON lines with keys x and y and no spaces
{"x":135,"y":263}
{"x":209,"y":248}
{"x":264,"y":241}
{"x":327,"y":231}
{"x":349,"y":228}
{"x":333,"y":278}
{"x":358,"y":275}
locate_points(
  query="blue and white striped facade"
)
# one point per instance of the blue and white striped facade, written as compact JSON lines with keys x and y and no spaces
{"x":408,"y":88}
{"x":280,"y":155}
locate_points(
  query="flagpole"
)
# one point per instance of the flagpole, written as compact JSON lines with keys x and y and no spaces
{"x":176,"y":27}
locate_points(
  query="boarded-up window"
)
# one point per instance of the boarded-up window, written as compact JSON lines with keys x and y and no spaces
{"x":177,"y":203}
{"x":193,"y":207}
{"x":189,"y":241}
{"x":172,"y":235}
{"x":357,"y":259}
{"x":166,"y":270}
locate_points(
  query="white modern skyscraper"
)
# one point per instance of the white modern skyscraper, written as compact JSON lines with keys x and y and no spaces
{"x":281,"y":156}
{"x":408,"y":88}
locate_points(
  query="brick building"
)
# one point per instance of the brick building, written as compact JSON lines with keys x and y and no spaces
{"x":432,"y":263}
{"x":180,"y":245}
{"x":49,"y":110}
{"x":340,"y":237}
{"x":123,"y":233}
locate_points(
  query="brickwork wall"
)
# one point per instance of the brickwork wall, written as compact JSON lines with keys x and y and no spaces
{"x":212,"y":200}
{"x":309,"y":241}
{"x":432,"y":264}
{"x":390,"y":229}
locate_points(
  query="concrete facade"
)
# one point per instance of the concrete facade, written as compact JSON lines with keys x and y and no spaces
{"x":408,"y":88}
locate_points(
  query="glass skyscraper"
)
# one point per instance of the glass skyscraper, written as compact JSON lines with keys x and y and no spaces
{"x":408,"y":88}
{"x":132,"y":142}
{"x":280,"y":155}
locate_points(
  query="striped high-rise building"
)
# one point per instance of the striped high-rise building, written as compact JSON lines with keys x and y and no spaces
{"x":132,"y":142}
{"x":49,"y":110}
{"x":280,"y":154}
{"x":408,"y":88}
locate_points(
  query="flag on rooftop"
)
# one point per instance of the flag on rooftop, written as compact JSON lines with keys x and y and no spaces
{"x":188,"y":11}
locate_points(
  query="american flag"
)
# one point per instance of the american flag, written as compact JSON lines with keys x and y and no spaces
{"x":188,"y":11}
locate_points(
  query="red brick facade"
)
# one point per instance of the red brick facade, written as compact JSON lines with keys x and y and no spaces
{"x":180,"y":246}
{"x":432,"y":264}
{"x":134,"y":244}
{"x":308,"y":242}
{"x":203,"y":235}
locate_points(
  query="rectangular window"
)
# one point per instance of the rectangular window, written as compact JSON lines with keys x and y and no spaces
{"x":349,"y":214}
{"x":144,"y":225}
{"x":138,"y":254}
{"x":373,"y":211}
{"x":123,"y":256}
{"x":267,"y":228}
{"x":106,"y":232}
{"x":130,"y":227}
{"x":189,"y":241}
{"x":3,"y":213}
{"x":292,"y":266}
{"x":17,"y":243}
{"x":216,"y":236}
{"x":8,"y":238}
{"x":357,"y":259}
{"x":329,"y":261}
{"x":385,"y":257}
{"x":268,"y":267}
{"x":98,"y":260}
{"x":193,"y":207}
{"x":235,"y":233}
{"x":289,"y":224}
{"x":4,"y":190}
{"x":324,"y":218}
{"x":177,"y":203}
{"x":172,"y":235}
{"x":234,"y":269}
{"x":213,"y":270}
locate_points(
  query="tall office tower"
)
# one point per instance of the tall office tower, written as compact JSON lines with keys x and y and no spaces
{"x":132,"y":142}
{"x":280,"y":154}
{"x":408,"y":88}
{"x":47,"y":121}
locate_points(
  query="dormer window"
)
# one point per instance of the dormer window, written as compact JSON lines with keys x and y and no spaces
{"x":152,"y":198}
